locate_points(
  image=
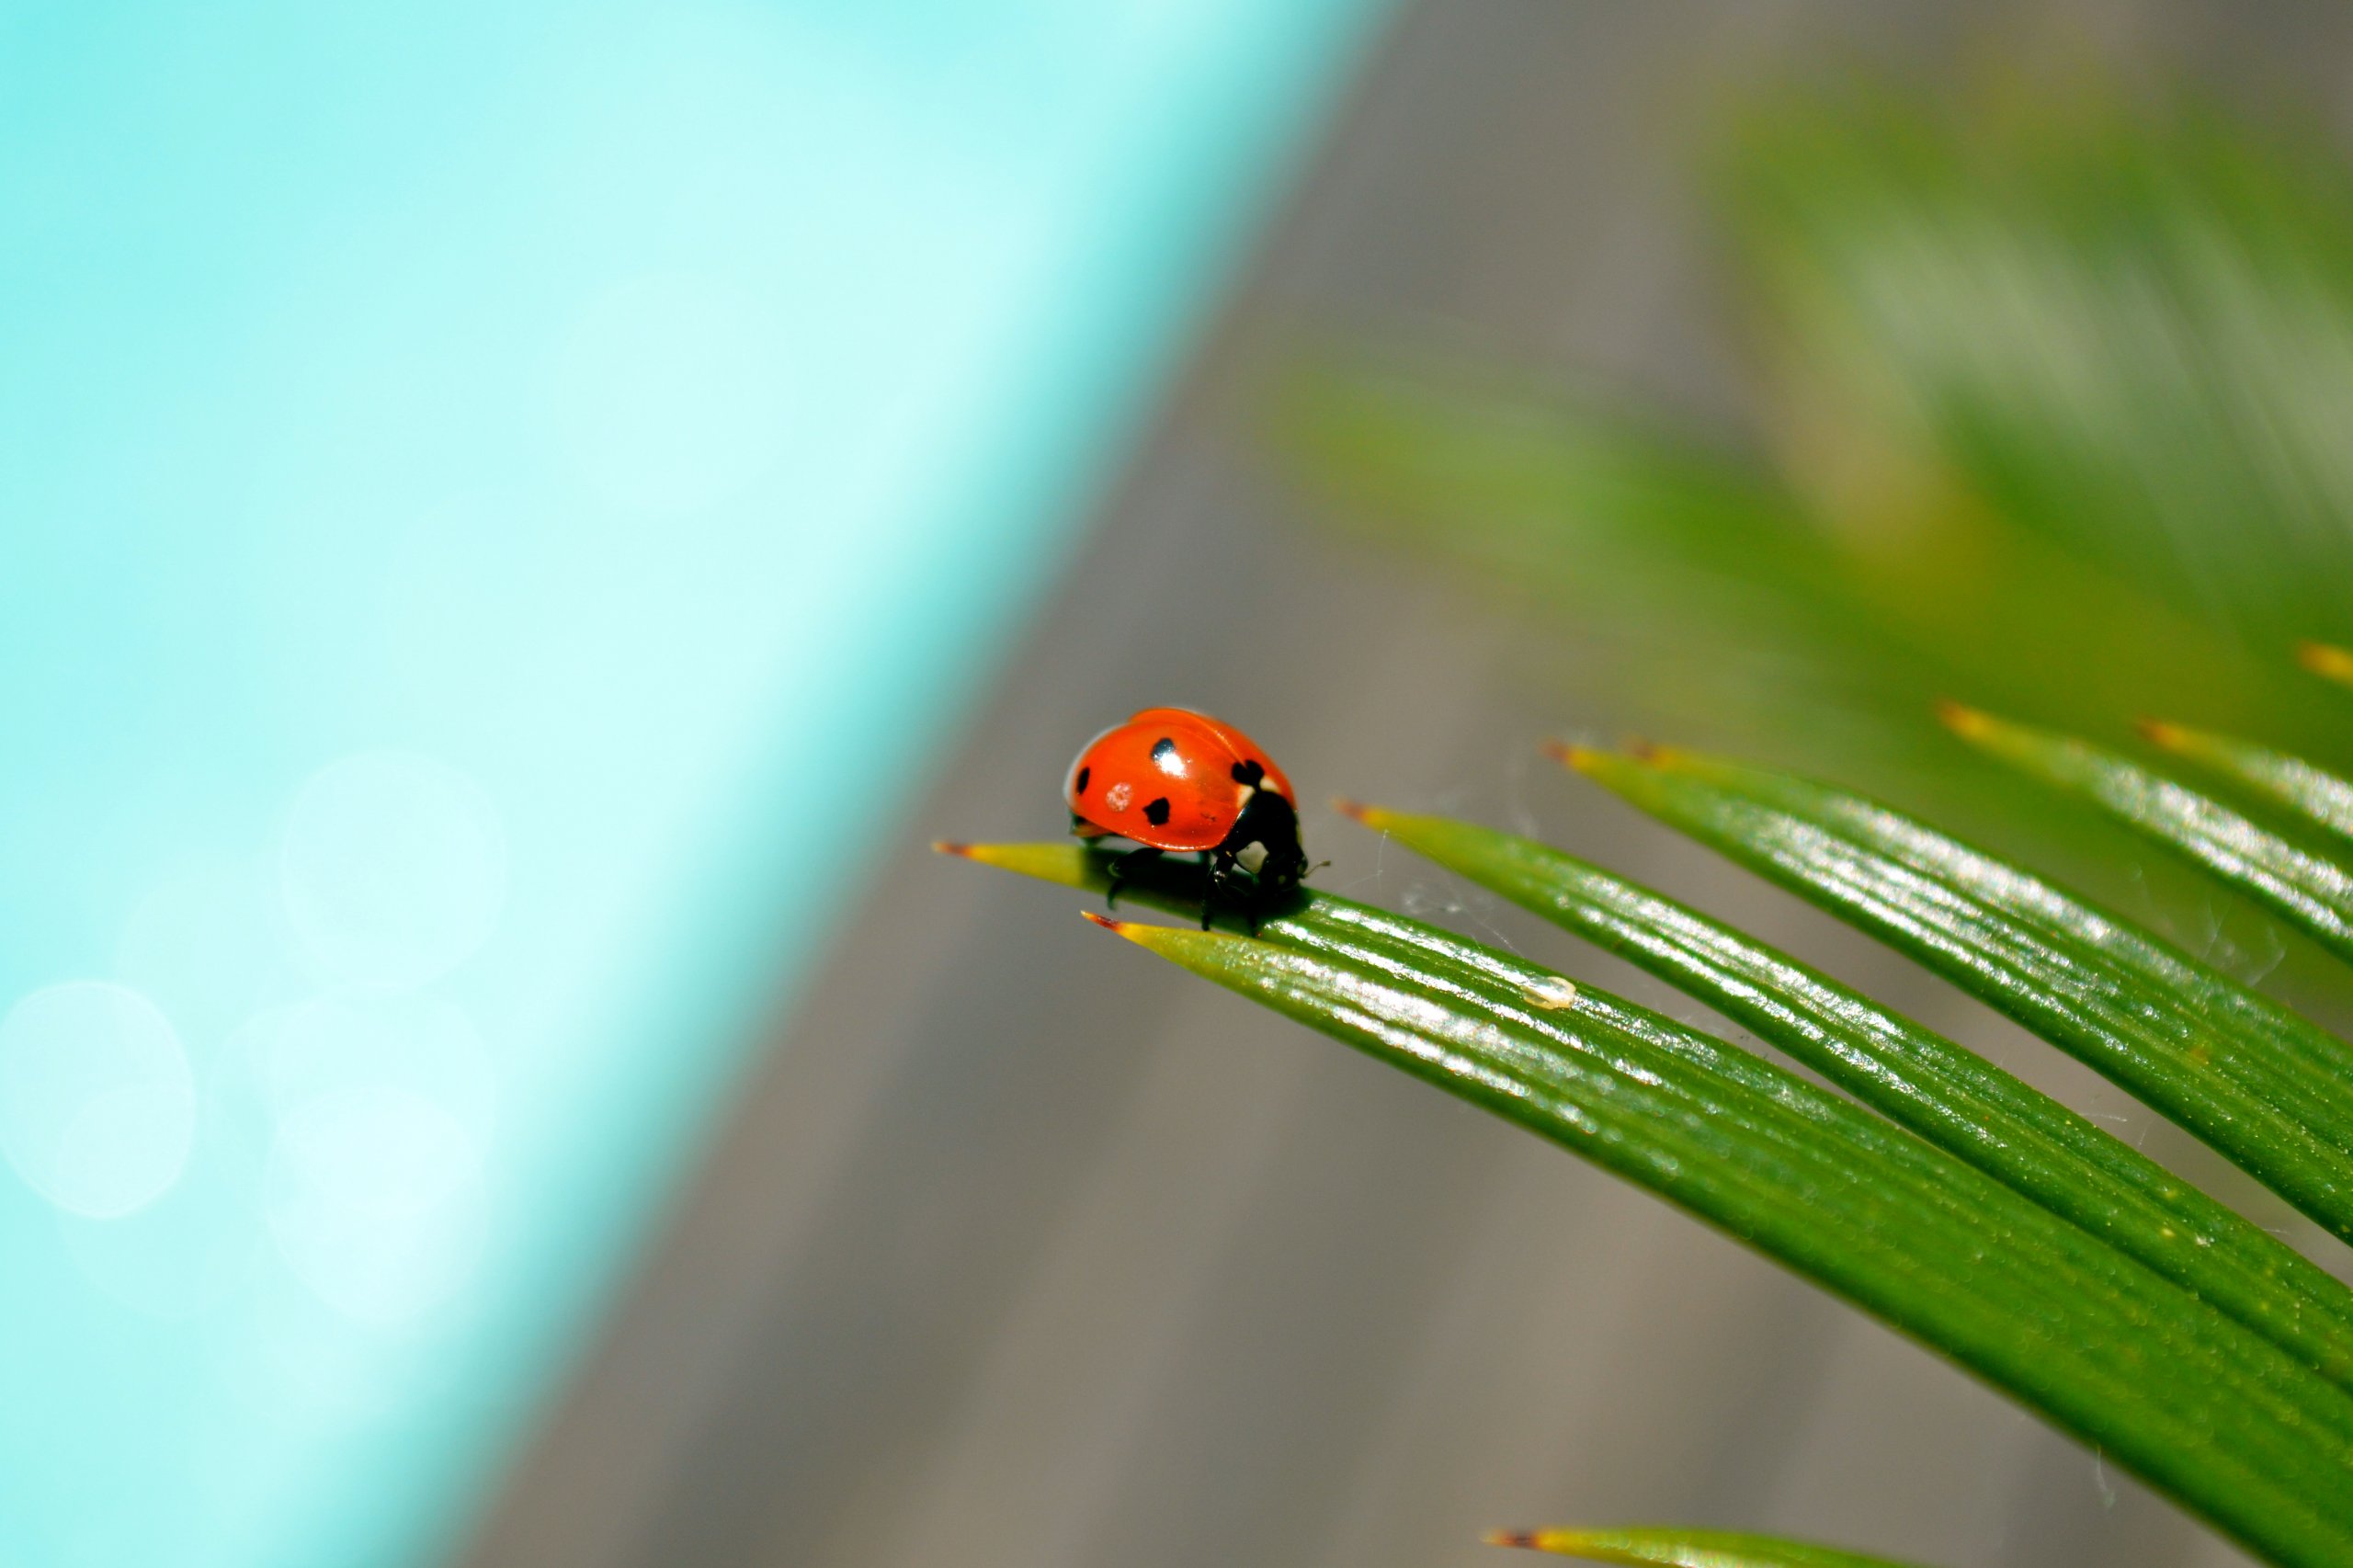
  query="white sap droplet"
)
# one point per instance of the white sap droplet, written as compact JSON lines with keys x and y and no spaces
{"x":97,"y":1105}
{"x":394,"y":870}
{"x":376,"y":1201}
{"x":1553,"y":992}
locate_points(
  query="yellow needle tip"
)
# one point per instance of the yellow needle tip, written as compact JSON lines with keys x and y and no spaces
{"x":2322,"y":659}
{"x":1962,"y":719}
{"x":1357,"y":810}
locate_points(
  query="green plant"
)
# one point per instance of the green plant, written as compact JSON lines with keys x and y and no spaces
{"x":1686,"y":1549}
{"x":1955,"y":1203}
{"x":2047,"y":408}
{"x":2052,"y":411}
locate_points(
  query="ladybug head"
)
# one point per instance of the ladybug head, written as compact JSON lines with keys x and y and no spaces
{"x":1263,"y":849}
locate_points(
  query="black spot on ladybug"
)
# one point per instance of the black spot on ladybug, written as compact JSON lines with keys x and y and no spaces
{"x":1249,"y":773}
{"x":1162,"y":747}
{"x":1080,"y":787}
{"x":1157,"y":811}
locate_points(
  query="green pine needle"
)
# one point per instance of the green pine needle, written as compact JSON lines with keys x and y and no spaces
{"x":1947,"y":1094}
{"x":2311,"y":888}
{"x":2265,"y":1087}
{"x":1686,"y":1549}
{"x":2203,"y":1409}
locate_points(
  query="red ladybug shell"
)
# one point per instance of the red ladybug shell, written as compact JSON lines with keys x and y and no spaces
{"x":1169,"y":778}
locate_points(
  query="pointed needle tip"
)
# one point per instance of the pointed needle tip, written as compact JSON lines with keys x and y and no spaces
{"x":950,"y":847}
{"x":1962,"y":719}
{"x":1509,"y":1537}
{"x":2325,"y":659}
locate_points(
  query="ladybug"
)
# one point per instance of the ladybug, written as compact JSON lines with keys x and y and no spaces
{"x":1174,"y":780}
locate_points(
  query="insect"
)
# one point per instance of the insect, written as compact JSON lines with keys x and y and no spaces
{"x":1174,"y":781}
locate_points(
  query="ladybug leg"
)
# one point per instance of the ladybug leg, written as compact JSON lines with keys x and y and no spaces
{"x":1119,"y":871}
{"x":1219,"y":865}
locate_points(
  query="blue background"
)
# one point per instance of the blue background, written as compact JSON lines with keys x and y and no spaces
{"x":501,"y":505}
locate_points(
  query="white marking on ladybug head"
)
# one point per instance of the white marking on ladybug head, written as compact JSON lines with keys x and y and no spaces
{"x":1252,"y":856}
{"x":1118,"y":796}
{"x":1243,"y":797}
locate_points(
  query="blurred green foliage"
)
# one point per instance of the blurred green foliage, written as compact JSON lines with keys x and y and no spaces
{"x":2053,"y":411}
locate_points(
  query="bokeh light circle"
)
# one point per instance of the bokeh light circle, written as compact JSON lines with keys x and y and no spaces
{"x":325,"y":1045}
{"x":200,"y":941}
{"x":194,"y":1247}
{"x":394,"y":870}
{"x":376,"y":1201}
{"x":98,"y":1103}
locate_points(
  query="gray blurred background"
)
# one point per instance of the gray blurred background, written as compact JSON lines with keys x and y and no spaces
{"x":1022,"y":1248}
